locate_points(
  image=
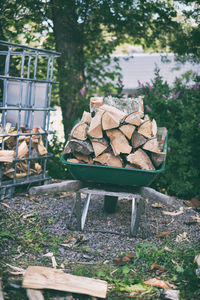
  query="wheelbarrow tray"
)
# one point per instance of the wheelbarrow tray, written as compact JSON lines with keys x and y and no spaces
{"x":113,"y":175}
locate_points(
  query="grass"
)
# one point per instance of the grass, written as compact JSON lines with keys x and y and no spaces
{"x":125,"y":280}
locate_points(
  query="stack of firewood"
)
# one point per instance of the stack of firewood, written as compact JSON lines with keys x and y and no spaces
{"x":23,"y":146}
{"x":111,"y":137}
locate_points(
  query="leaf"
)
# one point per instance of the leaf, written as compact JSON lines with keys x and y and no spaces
{"x":123,"y":260}
{"x":157,"y":205}
{"x":125,"y":270}
{"x":158,"y":268}
{"x":5,"y":204}
{"x":163,"y":234}
{"x":173,"y":213}
{"x":159,"y":283}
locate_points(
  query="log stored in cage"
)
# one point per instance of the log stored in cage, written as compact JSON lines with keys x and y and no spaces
{"x":26,"y":79}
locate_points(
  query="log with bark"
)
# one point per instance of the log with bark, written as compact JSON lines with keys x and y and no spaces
{"x":116,"y":138}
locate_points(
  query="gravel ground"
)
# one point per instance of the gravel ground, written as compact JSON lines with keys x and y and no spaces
{"x":91,"y":245}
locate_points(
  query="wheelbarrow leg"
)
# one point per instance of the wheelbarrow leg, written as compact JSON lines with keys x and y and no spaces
{"x":136,"y":210}
{"x":80,"y":214}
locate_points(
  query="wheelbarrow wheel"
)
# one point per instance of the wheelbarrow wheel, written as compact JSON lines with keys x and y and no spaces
{"x":110,"y":204}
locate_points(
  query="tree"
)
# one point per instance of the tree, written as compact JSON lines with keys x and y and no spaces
{"x":85,"y":32}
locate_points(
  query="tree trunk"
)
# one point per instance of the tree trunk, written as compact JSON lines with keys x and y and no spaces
{"x":69,"y":41}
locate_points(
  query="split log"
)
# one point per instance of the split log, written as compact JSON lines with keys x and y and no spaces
{"x":95,"y":102}
{"x":146,"y":129}
{"x":114,"y":111}
{"x":99,"y":146}
{"x":48,"y":278}
{"x":109,"y":159}
{"x":158,"y":158}
{"x":41,"y":148}
{"x":83,"y":147}
{"x":110,"y":121}
{"x":140,"y":159}
{"x":137,"y":140}
{"x":7,"y":155}
{"x":95,"y":129}
{"x":154,"y":128}
{"x":74,"y":161}
{"x":83,"y":158}
{"x":127,"y":130}
{"x":22,"y":150}
{"x":38,"y":168}
{"x":133,"y":119}
{"x":10,"y":141}
{"x":86,"y":117}
{"x":79,"y":131}
{"x":151,"y":145}
{"x":131,"y":166}
{"x":118,"y":142}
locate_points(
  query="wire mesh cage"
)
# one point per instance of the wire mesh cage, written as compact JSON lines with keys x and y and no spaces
{"x":26,"y":79}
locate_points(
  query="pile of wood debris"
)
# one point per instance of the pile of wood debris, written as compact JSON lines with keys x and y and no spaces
{"x":109,"y":136}
{"x":21,"y":145}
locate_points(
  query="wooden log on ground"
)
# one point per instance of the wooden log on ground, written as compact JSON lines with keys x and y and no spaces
{"x":64,"y":186}
{"x":48,"y":278}
{"x":149,"y":193}
{"x":127,"y":130}
{"x":140,"y":159}
{"x":83,"y":147}
{"x":79,"y":131}
{"x":137,"y":140}
{"x":95,"y":129}
{"x":7,"y":155}
{"x":118,"y":142}
{"x":109,"y":159}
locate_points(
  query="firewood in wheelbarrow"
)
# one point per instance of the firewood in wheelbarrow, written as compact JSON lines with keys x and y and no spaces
{"x":95,"y":102}
{"x":127,"y":130}
{"x":161,"y":136}
{"x":158,"y":158}
{"x":83,"y":147}
{"x":7,"y":155}
{"x":140,"y":159}
{"x":133,"y":119}
{"x":109,"y":159}
{"x":154,"y":128}
{"x":99,"y":145}
{"x":86,"y":117}
{"x":74,"y":160}
{"x":118,"y":142}
{"x":146,"y":129}
{"x":83,"y":158}
{"x":110,"y":121}
{"x":111,"y":117}
{"x":95,"y":129}
{"x":151,"y":145}
{"x":79,"y":131}
{"x":137,"y":140}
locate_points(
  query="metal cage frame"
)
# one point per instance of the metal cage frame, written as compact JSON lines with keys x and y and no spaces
{"x":26,"y":110}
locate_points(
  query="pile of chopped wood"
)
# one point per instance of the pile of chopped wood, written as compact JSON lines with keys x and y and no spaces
{"x":109,"y":136}
{"x":19,"y":146}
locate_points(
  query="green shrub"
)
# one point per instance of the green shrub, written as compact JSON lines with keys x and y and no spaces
{"x":178,"y":109}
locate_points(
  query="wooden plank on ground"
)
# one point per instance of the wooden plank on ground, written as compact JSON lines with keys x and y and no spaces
{"x":48,"y":278}
{"x":34,"y":294}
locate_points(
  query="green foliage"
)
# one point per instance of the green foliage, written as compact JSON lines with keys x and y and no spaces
{"x":177,"y":108}
{"x":55,"y":167}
